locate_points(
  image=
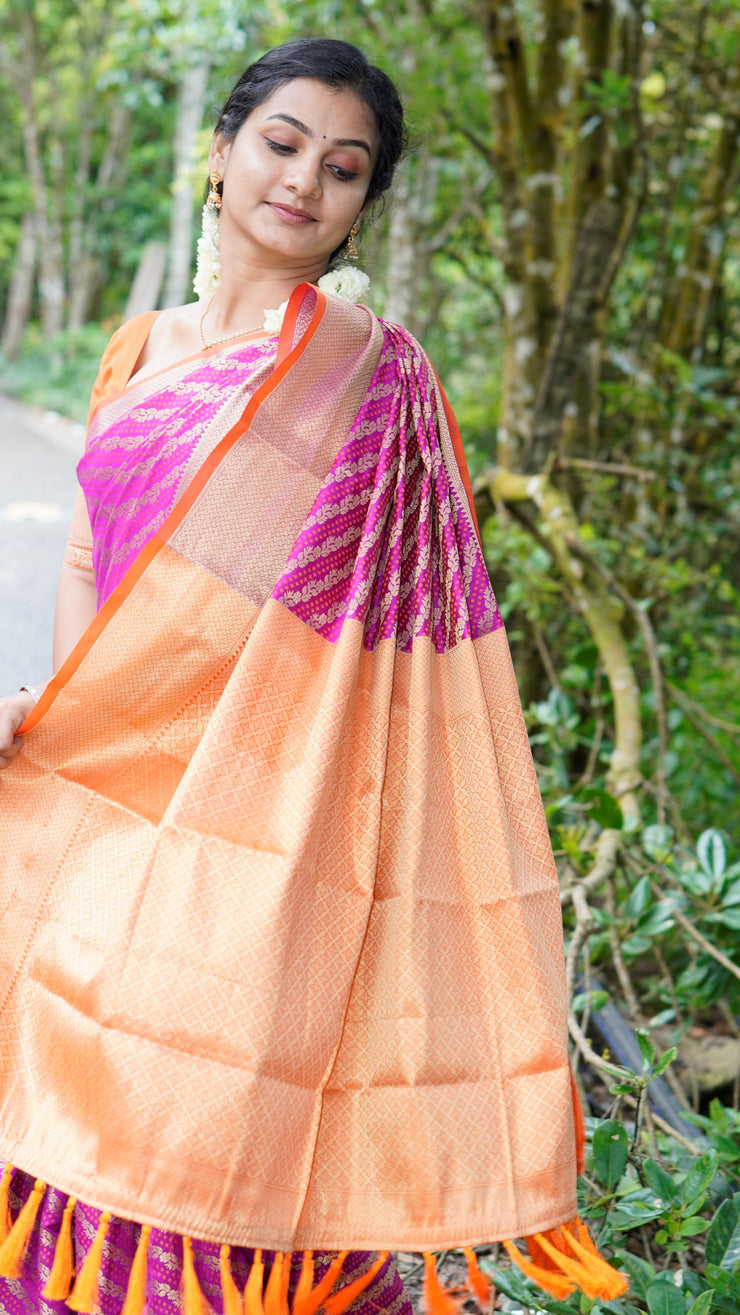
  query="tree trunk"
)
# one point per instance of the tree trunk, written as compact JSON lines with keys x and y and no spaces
{"x":81,"y":264}
{"x":84,"y":283}
{"x":191,"y":95}
{"x":409,"y":225}
{"x":527,"y":132}
{"x":147,"y":284}
{"x":20,"y":294}
{"x":686,"y":313}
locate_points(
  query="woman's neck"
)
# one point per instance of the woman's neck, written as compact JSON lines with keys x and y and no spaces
{"x":248,"y":287}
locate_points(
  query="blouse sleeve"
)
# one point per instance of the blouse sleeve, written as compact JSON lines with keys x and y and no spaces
{"x":116,"y":366}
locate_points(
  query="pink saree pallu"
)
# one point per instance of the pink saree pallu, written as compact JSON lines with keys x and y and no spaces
{"x":281,"y":951}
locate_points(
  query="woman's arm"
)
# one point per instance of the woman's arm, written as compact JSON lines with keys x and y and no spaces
{"x":75,"y":609}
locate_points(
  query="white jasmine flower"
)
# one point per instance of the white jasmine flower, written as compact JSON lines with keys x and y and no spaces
{"x":208,"y":265}
{"x":273,"y":321}
{"x":347,"y":282}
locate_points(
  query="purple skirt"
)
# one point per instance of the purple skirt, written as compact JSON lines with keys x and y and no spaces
{"x":22,"y":1296}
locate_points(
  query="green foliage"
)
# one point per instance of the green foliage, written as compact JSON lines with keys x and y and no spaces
{"x":629,"y":1193}
{"x":57,"y":372}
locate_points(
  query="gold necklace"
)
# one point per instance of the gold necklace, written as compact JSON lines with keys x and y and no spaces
{"x":229,"y":338}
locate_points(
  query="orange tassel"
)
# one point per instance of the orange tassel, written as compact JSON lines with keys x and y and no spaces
{"x":59,"y":1282}
{"x":84,"y":1295}
{"x":285,"y":1283}
{"x":136,"y":1288}
{"x":13,"y":1248}
{"x":592,"y":1274}
{"x":253,"y":1291}
{"x":555,"y":1269}
{"x":193,"y":1301}
{"x":5,"y":1221}
{"x":229,"y":1291}
{"x":338,"y":1303}
{"x":437,"y":1301}
{"x":305,"y":1282}
{"x":557,"y":1285}
{"x":273,"y":1291}
{"x":316,"y":1298}
{"x":478,"y":1282}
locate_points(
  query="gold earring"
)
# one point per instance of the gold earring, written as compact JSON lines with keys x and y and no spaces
{"x":213,"y":200}
{"x":352,"y":253}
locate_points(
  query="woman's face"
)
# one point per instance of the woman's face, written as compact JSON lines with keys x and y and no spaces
{"x":296,"y":175}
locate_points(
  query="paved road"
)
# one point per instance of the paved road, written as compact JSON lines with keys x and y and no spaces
{"x":38,"y":454}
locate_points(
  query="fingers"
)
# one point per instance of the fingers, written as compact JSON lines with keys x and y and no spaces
{"x":9,"y":751}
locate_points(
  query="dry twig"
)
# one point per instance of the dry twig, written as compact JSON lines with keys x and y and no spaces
{"x":607,"y":849}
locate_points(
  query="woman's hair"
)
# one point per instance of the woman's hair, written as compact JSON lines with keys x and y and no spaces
{"x":336,"y":64}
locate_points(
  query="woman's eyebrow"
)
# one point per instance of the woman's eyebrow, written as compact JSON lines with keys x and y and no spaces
{"x":338,"y":141}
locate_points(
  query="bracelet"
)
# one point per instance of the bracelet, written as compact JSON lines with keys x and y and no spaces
{"x":29,"y":689}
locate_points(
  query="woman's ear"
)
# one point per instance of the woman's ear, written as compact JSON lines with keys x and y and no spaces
{"x":219,"y":154}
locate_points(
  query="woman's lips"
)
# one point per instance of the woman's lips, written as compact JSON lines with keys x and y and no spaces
{"x":291,"y":216}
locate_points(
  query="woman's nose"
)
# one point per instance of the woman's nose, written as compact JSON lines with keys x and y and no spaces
{"x":303,"y":176}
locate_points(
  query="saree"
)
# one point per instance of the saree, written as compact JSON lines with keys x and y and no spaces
{"x":282,"y":960}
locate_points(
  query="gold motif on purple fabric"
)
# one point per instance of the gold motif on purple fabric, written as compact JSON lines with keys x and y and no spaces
{"x":390,"y":540}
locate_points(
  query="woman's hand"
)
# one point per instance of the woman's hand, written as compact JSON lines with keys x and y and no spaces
{"x":13,"y":712}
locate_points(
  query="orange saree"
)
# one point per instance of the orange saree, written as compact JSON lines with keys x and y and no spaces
{"x":282,"y":958}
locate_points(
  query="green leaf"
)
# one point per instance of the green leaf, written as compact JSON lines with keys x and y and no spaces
{"x":666,"y":1058}
{"x":660,"y":1181}
{"x":610,"y":1149}
{"x":699,"y":1177}
{"x":604,"y":808}
{"x":711,"y":852}
{"x":690,"y":1227}
{"x":665,"y":1299}
{"x":703,"y":1303}
{"x":639,"y":899}
{"x":647,"y":1049}
{"x":595,"y":999}
{"x":657,"y":841}
{"x":641,"y":1274}
{"x":639,"y":1207}
{"x":723,"y":1238}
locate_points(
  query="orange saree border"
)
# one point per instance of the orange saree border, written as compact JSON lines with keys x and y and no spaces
{"x":287,"y":356}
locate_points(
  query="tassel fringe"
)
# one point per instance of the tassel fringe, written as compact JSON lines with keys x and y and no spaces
{"x":84,"y":1295}
{"x":437,"y":1300}
{"x":317,"y":1296}
{"x":338,"y":1303}
{"x":5,"y":1221}
{"x":13,"y":1248}
{"x":305,"y":1282}
{"x":193,"y":1301}
{"x":229,"y":1291}
{"x":558,"y":1272}
{"x":136,"y":1289}
{"x":559,"y":1261}
{"x":478,"y":1282}
{"x":274,"y":1289}
{"x":253,"y":1291}
{"x":59,"y":1283}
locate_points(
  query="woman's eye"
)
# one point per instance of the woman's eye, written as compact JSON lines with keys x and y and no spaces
{"x":280,"y":147}
{"x":344,"y":175}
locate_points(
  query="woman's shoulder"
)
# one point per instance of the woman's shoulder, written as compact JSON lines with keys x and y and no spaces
{"x":120,"y":356}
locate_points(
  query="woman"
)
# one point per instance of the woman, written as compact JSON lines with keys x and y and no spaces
{"x":281,"y":953}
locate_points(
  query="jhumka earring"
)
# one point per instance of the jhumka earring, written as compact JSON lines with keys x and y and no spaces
{"x":351,"y":252}
{"x":213,"y":200}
